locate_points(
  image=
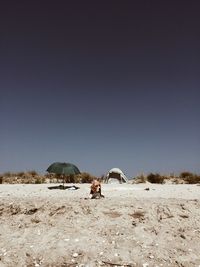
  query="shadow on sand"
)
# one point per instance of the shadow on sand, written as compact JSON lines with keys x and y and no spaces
{"x":62,"y":187}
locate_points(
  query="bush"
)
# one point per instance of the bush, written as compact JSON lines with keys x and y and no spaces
{"x":33,"y":173}
{"x":40,"y":180}
{"x":7,"y":174}
{"x":86,"y":177}
{"x":139,"y":179}
{"x":70,"y":179}
{"x":20,"y":174}
{"x":190,"y":178}
{"x":194,"y":179}
{"x":186,"y":174}
{"x":155,"y":178}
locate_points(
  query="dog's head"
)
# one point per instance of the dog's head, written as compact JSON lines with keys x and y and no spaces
{"x":95,"y":187}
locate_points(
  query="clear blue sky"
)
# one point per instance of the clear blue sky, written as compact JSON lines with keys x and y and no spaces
{"x":100,"y":85}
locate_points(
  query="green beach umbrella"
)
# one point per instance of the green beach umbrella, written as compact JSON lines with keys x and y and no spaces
{"x":63,"y":169}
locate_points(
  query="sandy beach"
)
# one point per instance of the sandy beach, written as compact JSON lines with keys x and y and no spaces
{"x":145,"y":225}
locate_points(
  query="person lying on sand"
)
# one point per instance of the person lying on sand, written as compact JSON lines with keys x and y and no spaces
{"x":95,"y":189}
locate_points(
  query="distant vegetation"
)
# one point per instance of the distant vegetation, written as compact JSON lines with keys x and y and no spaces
{"x":156,"y":178}
{"x":32,"y":177}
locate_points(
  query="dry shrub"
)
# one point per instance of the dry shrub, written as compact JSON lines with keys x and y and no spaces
{"x":178,"y":180}
{"x":185,"y":174}
{"x":70,"y":178}
{"x":190,"y":178}
{"x":194,"y":179}
{"x":50,"y":178}
{"x":86,"y":177}
{"x":40,"y":180}
{"x":155,"y":178}
{"x":33,"y":173}
{"x":7,"y":174}
{"x":23,"y":178}
{"x":20,"y":174}
{"x":79,"y":178}
{"x":140,"y":179}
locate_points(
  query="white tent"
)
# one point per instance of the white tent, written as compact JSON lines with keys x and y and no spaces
{"x":116,"y":175}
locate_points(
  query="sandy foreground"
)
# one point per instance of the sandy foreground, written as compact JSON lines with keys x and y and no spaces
{"x":131,"y":226}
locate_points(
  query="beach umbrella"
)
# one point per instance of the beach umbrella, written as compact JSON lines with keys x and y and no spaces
{"x":63,"y":169}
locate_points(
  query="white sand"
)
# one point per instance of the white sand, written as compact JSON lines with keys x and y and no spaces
{"x":131,"y":226}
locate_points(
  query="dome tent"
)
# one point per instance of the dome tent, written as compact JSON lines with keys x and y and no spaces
{"x":116,"y":175}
